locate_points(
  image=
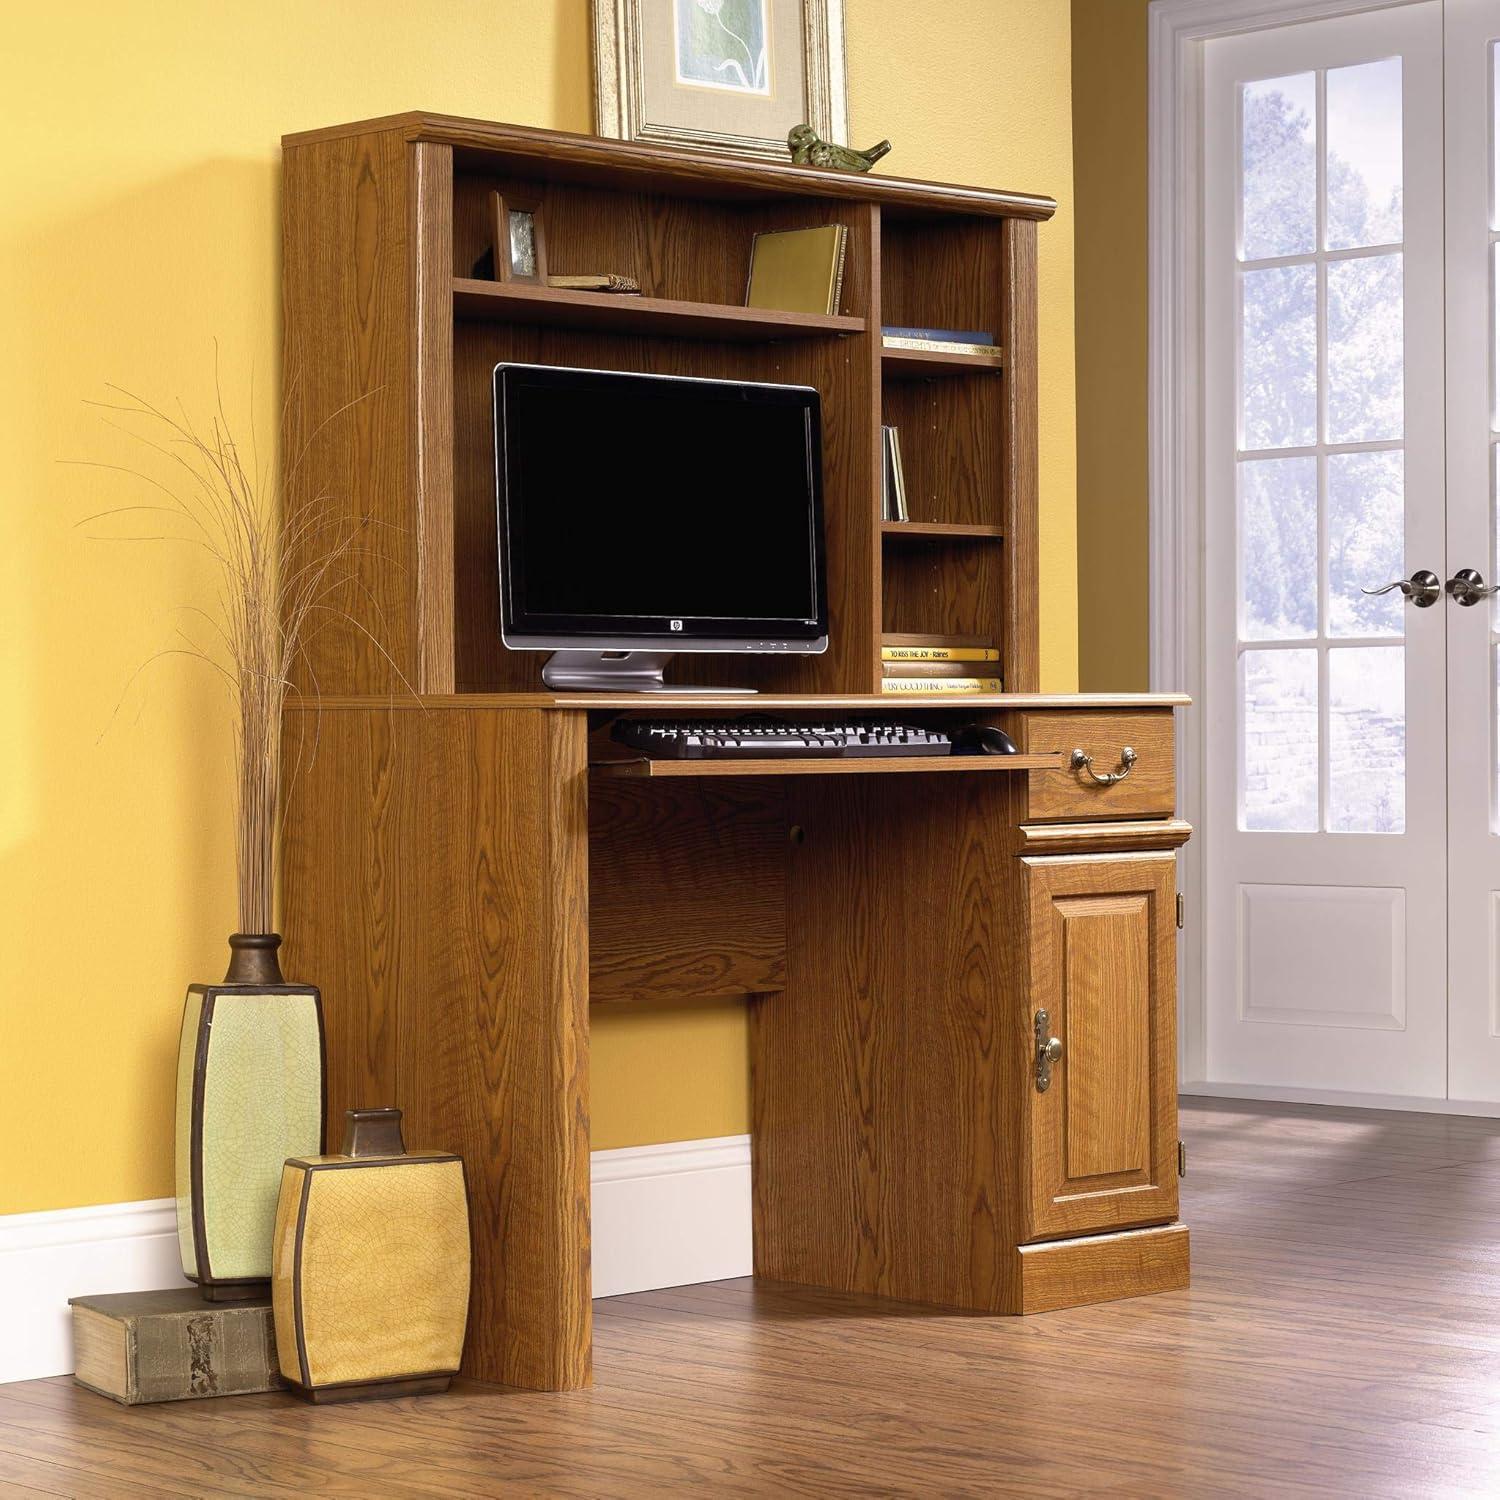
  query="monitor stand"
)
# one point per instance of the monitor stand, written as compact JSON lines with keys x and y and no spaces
{"x":621,"y":672}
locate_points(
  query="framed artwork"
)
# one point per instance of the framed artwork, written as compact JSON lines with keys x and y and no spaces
{"x":520,"y":250}
{"x":727,"y":76}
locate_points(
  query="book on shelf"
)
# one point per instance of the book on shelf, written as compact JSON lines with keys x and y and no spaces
{"x":910,"y":668}
{"x":921,"y":648}
{"x":938,"y":335}
{"x":604,"y":281}
{"x":893,"y":490}
{"x":896,"y":686}
{"x":798,"y":270}
{"x":934,"y":346}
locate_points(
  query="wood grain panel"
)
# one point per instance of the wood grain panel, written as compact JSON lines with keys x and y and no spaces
{"x":1150,"y":788}
{"x":888,"y":1078}
{"x":1102,"y":1268}
{"x":1106,"y":947}
{"x":1102,"y":1139}
{"x":350,"y":357}
{"x":951,"y":447}
{"x":431,"y":178}
{"x":942,"y":586}
{"x":1018,"y":334}
{"x":434,"y":881}
{"x":687,"y":890}
{"x":937,"y":274}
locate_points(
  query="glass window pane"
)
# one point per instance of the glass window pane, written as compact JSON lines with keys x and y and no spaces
{"x":1278,"y":171}
{"x":1279,"y":363}
{"x":1366,"y":542}
{"x":1364,"y":349}
{"x":1279,"y":722}
{"x":1278,"y":549}
{"x":1367,"y":740}
{"x":1364,"y":155}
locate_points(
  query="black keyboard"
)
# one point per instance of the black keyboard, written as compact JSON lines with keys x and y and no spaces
{"x":764,"y":739}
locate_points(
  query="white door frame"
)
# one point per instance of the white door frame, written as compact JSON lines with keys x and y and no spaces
{"x":1178,"y":30}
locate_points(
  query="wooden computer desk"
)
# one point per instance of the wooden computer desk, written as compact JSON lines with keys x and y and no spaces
{"x":463,"y":883}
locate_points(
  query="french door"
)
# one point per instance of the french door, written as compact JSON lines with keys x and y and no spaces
{"x":1351,"y":780}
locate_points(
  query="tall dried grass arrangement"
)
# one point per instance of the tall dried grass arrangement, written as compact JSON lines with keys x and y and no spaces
{"x":283,"y":560}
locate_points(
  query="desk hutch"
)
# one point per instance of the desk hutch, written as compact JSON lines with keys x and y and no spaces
{"x":468,"y":866}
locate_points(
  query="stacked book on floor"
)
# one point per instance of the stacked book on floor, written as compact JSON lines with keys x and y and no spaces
{"x":938,"y":664}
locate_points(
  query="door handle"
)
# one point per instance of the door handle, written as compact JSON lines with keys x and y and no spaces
{"x":1049,"y":1049}
{"x":1422,"y":589}
{"x":1467,"y":586}
{"x":1081,"y":760}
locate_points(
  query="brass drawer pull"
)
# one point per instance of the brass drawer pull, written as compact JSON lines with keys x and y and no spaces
{"x":1082,"y":761}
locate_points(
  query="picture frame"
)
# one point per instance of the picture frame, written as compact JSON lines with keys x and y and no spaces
{"x":727,"y":77}
{"x":520,"y":245}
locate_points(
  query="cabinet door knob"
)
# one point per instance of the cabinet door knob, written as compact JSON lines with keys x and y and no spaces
{"x":1049,"y":1049}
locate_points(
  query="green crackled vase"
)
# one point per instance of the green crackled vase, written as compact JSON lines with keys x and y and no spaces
{"x":249,"y":1095}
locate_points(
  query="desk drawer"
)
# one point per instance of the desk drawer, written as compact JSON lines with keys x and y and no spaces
{"x":1072,"y":792}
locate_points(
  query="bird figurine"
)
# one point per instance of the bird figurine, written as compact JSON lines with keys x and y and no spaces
{"x":808,"y":151}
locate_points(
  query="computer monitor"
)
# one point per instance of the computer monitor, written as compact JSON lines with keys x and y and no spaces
{"x":643,"y":515}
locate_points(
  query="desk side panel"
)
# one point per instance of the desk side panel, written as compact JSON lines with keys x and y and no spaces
{"x":435,"y":872}
{"x":887,"y":1079}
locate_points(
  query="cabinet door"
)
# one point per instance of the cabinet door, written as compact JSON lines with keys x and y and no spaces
{"x":1101,"y":1146}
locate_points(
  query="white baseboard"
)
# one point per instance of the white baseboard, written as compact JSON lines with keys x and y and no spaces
{"x":662,"y":1216}
{"x":1275,"y":1093}
{"x":671,"y":1215}
{"x":46,"y":1258}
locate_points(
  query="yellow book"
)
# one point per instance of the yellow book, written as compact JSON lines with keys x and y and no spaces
{"x":797,"y":270}
{"x":939,"y":653}
{"x":935,"y":685}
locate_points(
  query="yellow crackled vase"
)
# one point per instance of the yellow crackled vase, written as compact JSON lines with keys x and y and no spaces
{"x":249,"y":1094}
{"x":371,"y":1283}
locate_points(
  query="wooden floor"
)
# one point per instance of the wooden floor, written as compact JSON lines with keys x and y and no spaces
{"x":1342,"y":1336}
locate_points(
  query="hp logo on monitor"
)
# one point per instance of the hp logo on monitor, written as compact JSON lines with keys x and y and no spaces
{"x":676,"y":624}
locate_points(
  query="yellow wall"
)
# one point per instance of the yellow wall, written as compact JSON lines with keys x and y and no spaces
{"x":1109,"y":172}
{"x":138,"y":224}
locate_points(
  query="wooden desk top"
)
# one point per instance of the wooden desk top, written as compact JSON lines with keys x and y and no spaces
{"x":863,"y":703}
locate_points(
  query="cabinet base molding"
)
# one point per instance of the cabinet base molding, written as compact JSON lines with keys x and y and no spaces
{"x":1101,"y":1267}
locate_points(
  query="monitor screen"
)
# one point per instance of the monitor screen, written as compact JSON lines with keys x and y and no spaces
{"x":671,"y":510}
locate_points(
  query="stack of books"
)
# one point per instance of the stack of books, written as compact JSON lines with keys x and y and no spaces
{"x":938,"y":664}
{"x":893,"y":494}
{"x":937,"y":340}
